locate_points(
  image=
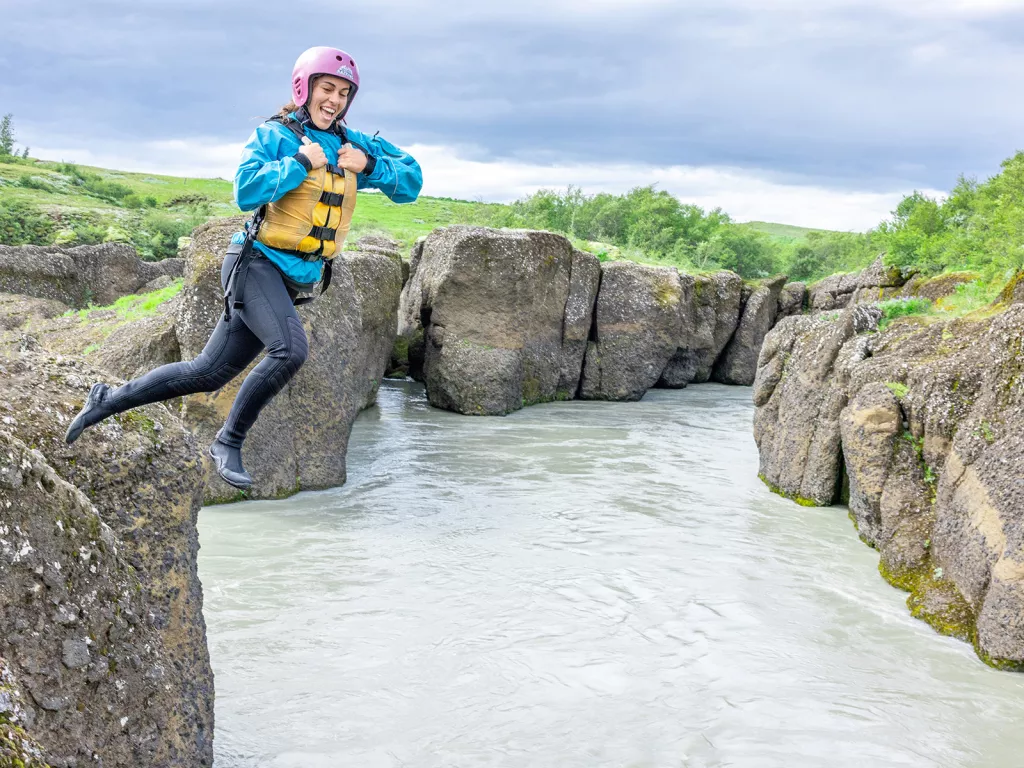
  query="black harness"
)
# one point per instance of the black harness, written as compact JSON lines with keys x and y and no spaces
{"x":240,"y":269}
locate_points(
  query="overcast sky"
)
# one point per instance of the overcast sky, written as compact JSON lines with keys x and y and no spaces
{"x":813,"y":112}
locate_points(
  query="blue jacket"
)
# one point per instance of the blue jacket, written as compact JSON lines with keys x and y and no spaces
{"x":268,"y":170}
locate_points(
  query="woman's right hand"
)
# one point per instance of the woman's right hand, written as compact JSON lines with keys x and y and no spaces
{"x":315,"y":154}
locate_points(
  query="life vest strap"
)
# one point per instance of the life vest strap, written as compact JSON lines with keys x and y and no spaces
{"x":323,"y":233}
{"x":333,"y":199}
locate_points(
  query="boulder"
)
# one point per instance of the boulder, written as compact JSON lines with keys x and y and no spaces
{"x":101,"y":619}
{"x":82,"y":275}
{"x":738,"y":363}
{"x":792,"y":299}
{"x":378,"y":244}
{"x":721,"y":294}
{"x":889,"y":496}
{"x":708,"y":313}
{"x":872,"y":284}
{"x":407,"y":355}
{"x":503,"y":313}
{"x":636,"y":330}
{"x":799,"y":393}
{"x":135,"y":348}
{"x":301,"y":438}
{"x":16,"y":310}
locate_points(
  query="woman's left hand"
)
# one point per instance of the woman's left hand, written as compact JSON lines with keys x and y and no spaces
{"x":351,"y":159}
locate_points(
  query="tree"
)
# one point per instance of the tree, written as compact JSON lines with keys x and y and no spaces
{"x":7,"y":134}
{"x":25,"y":153}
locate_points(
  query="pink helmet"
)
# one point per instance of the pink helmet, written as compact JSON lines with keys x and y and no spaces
{"x":323,"y":61}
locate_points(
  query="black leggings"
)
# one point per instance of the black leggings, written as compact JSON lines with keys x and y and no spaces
{"x":268,"y":320}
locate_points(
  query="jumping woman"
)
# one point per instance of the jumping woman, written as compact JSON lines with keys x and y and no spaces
{"x":299,"y":172}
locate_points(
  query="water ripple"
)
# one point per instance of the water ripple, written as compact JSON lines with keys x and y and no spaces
{"x":578,"y":584}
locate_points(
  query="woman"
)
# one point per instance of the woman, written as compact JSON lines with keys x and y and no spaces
{"x":298,"y":172}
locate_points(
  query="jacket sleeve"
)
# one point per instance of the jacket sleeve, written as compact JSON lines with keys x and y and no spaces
{"x":268,"y":169}
{"x":397,"y":174}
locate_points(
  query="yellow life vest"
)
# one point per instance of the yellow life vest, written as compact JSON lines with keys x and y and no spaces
{"x":313,"y":219}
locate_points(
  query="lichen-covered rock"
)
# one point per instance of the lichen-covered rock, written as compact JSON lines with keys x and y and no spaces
{"x":799,"y":391}
{"x":101,"y":619}
{"x":78,"y":276}
{"x":493,"y":306}
{"x":933,"y":443}
{"x":300,"y":440}
{"x":379,"y":244}
{"x":889,"y":495}
{"x":792,"y":299}
{"x":718,"y":298}
{"x":637,"y":330}
{"x":584,"y":279}
{"x":16,"y":310}
{"x":708,"y":313}
{"x":17,"y":748}
{"x":738,"y":362}
{"x":408,"y":352}
{"x":872,"y":284}
{"x":134,"y":348}
{"x":939,"y":287}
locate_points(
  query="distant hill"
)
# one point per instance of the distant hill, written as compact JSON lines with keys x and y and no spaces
{"x":783,"y":232}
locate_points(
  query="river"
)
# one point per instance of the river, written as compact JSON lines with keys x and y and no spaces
{"x":578,"y":584}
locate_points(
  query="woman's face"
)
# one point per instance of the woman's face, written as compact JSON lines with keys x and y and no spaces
{"x":328,"y":97}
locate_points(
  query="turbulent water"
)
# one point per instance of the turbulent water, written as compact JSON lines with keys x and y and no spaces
{"x":578,"y":584}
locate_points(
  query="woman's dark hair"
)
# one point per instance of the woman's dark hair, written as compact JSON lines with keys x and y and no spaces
{"x":291,"y":106}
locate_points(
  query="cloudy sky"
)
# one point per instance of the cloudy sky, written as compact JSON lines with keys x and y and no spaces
{"x":812,"y":112}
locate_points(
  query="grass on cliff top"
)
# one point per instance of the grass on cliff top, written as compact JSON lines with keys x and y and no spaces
{"x":976,"y":298}
{"x":135,"y":306}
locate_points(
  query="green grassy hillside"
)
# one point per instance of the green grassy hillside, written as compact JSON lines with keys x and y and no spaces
{"x":782,"y":232}
{"x":87,"y":204}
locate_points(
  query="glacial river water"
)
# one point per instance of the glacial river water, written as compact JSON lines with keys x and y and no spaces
{"x":578,"y":584}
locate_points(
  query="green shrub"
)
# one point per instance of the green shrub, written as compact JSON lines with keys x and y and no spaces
{"x":157,"y":236}
{"x":110,"y":191}
{"x":27,"y":181}
{"x":980,"y":226}
{"x":899,"y":389}
{"x":22,"y":223}
{"x":895,"y":308}
{"x":972,"y":296}
{"x":89,"y":234}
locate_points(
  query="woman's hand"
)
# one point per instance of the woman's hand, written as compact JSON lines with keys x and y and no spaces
{"x":315,"y":154}
{"x":351,"y":159}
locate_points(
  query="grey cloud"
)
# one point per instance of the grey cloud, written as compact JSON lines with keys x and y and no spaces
{"x":849,"y":95}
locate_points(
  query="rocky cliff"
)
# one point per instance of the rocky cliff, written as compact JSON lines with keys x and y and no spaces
{"x":82,"y":275}
{"x":921,"y":428}
{"x":492,"y":320}
{"x":101,"y":623}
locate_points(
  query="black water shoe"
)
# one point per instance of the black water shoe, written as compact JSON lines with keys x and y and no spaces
{"x":228,"y":461}
{"x":92,"y":412}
